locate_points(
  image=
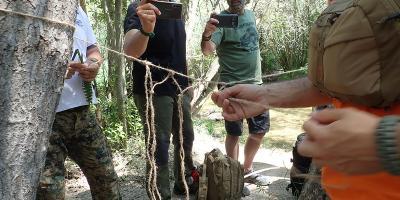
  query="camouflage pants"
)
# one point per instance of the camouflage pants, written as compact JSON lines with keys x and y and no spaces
{"x":77,"y":135}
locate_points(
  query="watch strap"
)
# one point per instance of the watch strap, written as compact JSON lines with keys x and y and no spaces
{"x":148,"y":34}
{"x":386,"y":142}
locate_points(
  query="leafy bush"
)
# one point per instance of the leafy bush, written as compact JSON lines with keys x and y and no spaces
{"x":113,"y":128}
{"x":283,"y":27}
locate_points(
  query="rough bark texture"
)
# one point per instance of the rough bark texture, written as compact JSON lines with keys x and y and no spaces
{"x":33,"y":58}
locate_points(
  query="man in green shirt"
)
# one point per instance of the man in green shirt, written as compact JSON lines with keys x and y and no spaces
{"x":240,"y":62}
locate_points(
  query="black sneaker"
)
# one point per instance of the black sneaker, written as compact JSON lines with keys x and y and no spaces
{"x":181,"y":190}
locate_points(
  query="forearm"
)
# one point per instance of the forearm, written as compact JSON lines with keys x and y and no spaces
{"x":135,"y":43}
{"x":295,"y":93}
{"x":207,"y":47}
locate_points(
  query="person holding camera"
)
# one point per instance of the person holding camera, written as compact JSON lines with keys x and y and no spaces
{"x":162,"y":42}
{"x":75,"y":132}
{"x":240,"y":62}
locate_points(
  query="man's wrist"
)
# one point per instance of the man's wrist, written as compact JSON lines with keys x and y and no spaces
{"x":149,"y":34}
{"x":386,"y":142}
{"x":205,"y":37}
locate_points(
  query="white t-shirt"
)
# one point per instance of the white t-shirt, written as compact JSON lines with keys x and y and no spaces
{"x":72,"y":95}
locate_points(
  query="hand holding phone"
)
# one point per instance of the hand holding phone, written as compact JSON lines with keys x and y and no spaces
{"x":147,"y":13}
{"x":227,"y":20}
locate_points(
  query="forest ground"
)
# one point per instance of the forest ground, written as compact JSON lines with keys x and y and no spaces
{"x":274,"y":155}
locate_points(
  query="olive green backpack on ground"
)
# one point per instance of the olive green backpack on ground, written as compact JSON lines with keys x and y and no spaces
{"x":354,"y":52}
{"x":221,"y":178}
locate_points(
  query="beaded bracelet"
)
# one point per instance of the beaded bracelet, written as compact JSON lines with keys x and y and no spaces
{"x":386,"y":143}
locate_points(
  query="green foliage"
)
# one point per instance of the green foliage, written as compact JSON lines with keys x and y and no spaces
{"x":213,"y":127}
{"x":113,"y":128}
{"x":283,"y":27}
{"x":87,"y":90}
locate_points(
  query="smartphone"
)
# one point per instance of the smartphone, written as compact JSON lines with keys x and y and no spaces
{"x":169,"y":10}
{"x":227,"y":20}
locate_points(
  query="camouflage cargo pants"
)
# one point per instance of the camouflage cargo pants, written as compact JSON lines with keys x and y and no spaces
{"x":77,"y":135}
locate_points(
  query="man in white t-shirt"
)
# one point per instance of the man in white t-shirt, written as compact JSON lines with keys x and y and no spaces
{"x":75,"y":131}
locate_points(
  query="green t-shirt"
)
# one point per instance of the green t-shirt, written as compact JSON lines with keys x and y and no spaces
{"x":238,"y":51}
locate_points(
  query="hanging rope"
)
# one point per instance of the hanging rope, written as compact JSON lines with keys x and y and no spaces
{"x":151,"y":138}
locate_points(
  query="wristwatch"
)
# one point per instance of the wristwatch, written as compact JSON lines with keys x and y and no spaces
{"x":386,"y":143}
{"x":148,"y":34}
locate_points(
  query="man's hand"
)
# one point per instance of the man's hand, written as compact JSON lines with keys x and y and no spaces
{"x":73,"y":67}
{"x":87,"y":71}
{"x":210,"y":26}
{"x":69,"y":73}
{"x":343,"y":139}
{"x":147,"y":13}
{"x":241,"y":101}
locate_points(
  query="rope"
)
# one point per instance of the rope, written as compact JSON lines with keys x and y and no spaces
{"x":11,"y":12}
{"x":147,"y":63}
{"x":181,"y":150}
{"x":151,"y":140}
{"x":170,"y":71}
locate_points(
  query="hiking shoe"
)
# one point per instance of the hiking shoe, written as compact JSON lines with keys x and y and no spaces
{"x":181,"y":191}
{"x":192,"y":180}
{"x":178,"y":191}
{"x":256,"y":179}
{"x":245,"y":191}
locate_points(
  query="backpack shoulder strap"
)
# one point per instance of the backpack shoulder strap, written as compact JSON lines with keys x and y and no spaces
{"x":203,"y":182}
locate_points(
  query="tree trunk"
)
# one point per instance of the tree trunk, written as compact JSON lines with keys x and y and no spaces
{"x":185,"y":10}
{"x":33,"y":59}
{"x":202,"y":91}
{"x":116,"y":62}
{"x":119,"y":66}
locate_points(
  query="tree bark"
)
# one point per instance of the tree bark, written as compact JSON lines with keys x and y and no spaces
{"x":33,"y":59}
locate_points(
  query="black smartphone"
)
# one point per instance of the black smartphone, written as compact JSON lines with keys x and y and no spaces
{"x":227,"y":20}
{"x":169,"y":10}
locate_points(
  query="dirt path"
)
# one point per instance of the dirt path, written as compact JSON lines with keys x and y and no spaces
{"x":132,"y":180}
{"x":286,"y":124}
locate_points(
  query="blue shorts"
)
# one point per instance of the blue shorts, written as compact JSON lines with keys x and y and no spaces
{"x":257,"y":125}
